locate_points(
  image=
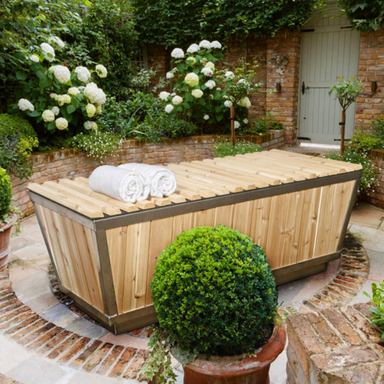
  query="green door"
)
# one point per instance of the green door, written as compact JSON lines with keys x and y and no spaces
{"x":329,"y":48}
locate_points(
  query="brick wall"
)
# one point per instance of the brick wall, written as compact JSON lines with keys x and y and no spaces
{"x":377,"y":198}
{"x":370,"y":104}
{"x":68,"y":163}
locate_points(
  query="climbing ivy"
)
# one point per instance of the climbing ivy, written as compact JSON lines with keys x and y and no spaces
{"x":365,"y":15}
{"x":171,"y":23}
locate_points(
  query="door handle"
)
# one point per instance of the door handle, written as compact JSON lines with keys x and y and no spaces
{"x":303,"y":88}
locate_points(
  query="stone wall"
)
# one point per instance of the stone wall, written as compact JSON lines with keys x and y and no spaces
{"x":370,"y":105}
{"x":334,"y":345}
{"x":377,"y":198}
{"x":69,"y":163}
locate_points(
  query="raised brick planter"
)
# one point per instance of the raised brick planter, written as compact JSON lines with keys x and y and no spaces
{"x":72,"y":163}
{"x":377,"y":198}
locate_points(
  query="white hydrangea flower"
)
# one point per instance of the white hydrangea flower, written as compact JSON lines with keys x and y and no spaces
{"x":197,"y":93}
{"x":177,"y":53}
{"x":173,"y":94}
{"x":60,"y":100}
{"x":210,"y":65}
{"x":245,"y":102}
{"x":90,"y":109}
{"x":56,"y":40}
{"x":73,"y":91}
{"x":228,"y":104}
{"x":88,"y":125}
{"x":169,"y":108}
{"x":53,"y":96}
{"x":216,"y":44}
{"x":66,"y":99}
{"x":98,"y":110}
{"x":205,"y":44}
{"x":101,"y":70}
{"x":62,"y":74}
{"x":190,"y":61}
{"x":192,"y":79}
{"x":229,"y":75}
{"x":164,"y":95}
{"x":207,"y":71}
{"x":95,"y":94}
{"x":177,"y":100}
{"x":94,"y":126}
{"x":210,"y":84}
{"x":193,"y":48}
{"x":245,"y":121}
{"x":61,"y":123}
{"x":48,"y":51}
{"x":241,"y":81}
{"x":48,"y":116}
{"x":25,"y":105}
{"x":170,"y":75}
{"x":237,"y":125}
{"x":206,"y":117}
{"x":55,"y":110}
{"x":34,"y":58}
{"x":83,"y":74}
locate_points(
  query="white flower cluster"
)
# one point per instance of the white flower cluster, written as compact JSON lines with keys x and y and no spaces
{"x":210,"y":65}
{"x":88,"y":125}
{"x":228,"y":104}
{"x":62,"y":74}
{"x":48,"y":116}
{"x":48,"y":51}
{"x":56,"y":40}
{"x":169,"y":108}
{"x":94,"y":94}
{"x":61,"y":99}
{"x":83,"y":74}
{"x":236,"y":125}
{"x":197,"y":93}
{"x":164,"y":95}
{"x":192,"y":79}
{"x":177,"y":100}
{"x":245,"y":102}
{"x":55,"y":110}
{"x":25,"y":105}
{"x":170,"y":75}
{"x":61,"y":123}
{"x":207,"y":71}
{"x":177,"y":53}
{"x":34,"y":58}
{"x":101,"y":71}
{"x":229,"y":75}
{"x":73,"y":91}
{"x":193,"y":48}
{"x":210,"y":84}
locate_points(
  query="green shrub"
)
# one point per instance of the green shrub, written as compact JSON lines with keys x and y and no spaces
{"x":5,"y":194}
{"x":159,"y":125}
{"x":214,"y":292}
{"x":366,"y":142}
{"x":223,"y":149}
{"x":378,"y":129}
{"x":377,"y":298}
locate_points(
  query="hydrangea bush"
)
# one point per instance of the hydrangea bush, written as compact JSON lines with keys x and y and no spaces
{"x":201,"y":91}
{"x":59,"y":98}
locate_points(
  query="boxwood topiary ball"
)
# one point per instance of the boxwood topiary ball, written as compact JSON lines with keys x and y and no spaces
{"x":214,"y":292}
{"x":5,"y":193}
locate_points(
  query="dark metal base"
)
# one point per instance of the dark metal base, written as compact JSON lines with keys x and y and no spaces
{"x":146,"y":316}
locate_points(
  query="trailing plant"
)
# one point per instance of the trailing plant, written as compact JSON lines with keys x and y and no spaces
{"x":377,"y":128}
{"x":366,"y":142}
{"x":377,"y":298}
{"x":158,"y":125}
{"x":59,"y":99}
{"x":242,"y":147}
{"x":214,"y":293}
{"x":96,"y":144}
{"x":185,"y":21}
{"x":263,"y":125}
{"x":365,"y":15}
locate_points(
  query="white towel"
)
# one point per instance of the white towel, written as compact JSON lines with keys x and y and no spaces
{"x":119,"y":183}
{"x":161,"y":180}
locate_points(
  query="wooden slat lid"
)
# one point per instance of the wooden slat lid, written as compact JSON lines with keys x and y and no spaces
{"x":199,"y":180}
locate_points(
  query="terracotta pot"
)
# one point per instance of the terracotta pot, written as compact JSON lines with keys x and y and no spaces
{"x":5,"y":235}
{"x":240,"y":369}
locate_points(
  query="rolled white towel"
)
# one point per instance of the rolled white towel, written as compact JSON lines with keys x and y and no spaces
{"x":119,"y":183}
{"x":162,"y":181}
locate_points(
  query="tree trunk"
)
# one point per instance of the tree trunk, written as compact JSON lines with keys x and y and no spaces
{"x":342,"y":132}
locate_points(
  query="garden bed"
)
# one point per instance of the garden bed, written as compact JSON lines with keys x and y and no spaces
{"x":377,"y":197}
{"x":71,"y":163}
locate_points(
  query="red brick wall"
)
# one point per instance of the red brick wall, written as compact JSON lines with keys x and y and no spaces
{"x":68,"y":163}
{"x":371,"y":68}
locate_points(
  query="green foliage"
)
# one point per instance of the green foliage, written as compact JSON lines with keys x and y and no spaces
{"x":5,"y":194}
{"x":159,"y":125}
{"x":214,"y":292}
{"x":365,"y":15}
{"x":346,"y":91}
{"x":96,"y":144}
{"x":264,"y":124}
{"x":378,"y":128}
{"x":180,"y":22}
{"x":365,"y":142}
{"x":223,"y":149}
{"x":377,"y":298}
{"x":18,"y":139}
{"x":105,"y":36}
{"x":352,"y":154}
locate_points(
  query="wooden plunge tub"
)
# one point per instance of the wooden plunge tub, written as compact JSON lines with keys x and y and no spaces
{"x":104,"y":251}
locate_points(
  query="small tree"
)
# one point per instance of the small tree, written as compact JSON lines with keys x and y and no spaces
{"x":346,"y":92}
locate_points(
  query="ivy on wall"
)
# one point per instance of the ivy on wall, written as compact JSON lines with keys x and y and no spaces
{"x":365,"y":15}
{"x":171,"y":23}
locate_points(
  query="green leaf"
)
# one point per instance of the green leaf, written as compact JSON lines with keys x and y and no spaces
{"x":51,"y":126}
{"x":71,"y":108}
{"x":21,"y":75}
{"x":45,"y":82}
{"x":219,"y":117}
{"x":35,"y":114}
{"x":202,"y":101}
{"x":181,"y":68}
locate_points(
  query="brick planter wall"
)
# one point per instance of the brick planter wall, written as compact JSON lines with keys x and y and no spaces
{"x":69,"y":163}
{"x":377,"y":198}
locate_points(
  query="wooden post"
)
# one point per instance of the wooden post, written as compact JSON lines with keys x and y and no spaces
{"x":233,"y":136}
{"x":342,"y":124}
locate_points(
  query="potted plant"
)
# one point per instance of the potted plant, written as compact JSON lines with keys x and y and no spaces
{"x":8,"y":216}
{"x":216,"y":301}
